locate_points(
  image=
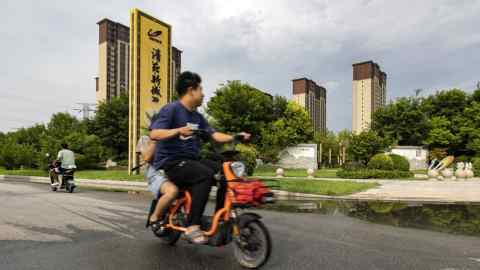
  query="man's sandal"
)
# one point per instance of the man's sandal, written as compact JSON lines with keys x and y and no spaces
{"x":196,"y":236}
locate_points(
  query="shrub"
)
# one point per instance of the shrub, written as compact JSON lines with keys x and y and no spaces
{"x":374,"y":174}
{"x":400,"y":163}
{"x":248,"y":154}
{"x":353,"y":165}
{"x":381,"y":162}
{"x":13,"y":156}
{"x":122,"y":162}
{"x":463,"y":158}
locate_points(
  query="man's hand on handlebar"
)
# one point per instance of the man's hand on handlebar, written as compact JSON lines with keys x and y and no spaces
{"x":242,"y":136}
{"x":185,"y":131}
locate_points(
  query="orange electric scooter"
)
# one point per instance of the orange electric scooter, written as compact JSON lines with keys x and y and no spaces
{"x":252,"y":242}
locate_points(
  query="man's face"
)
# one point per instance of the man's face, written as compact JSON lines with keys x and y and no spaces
{"x":197,"y":95}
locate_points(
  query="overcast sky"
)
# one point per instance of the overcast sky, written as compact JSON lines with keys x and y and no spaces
{"x":49,"y":49}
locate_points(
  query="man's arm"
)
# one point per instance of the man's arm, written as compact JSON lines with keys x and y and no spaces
{"x":149,"y":152}
{"x":222,"y":137}
{"x":163,"y":134}
{"x":225,"y":138}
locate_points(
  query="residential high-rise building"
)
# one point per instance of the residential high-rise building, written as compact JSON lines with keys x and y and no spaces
{"x":113,"y":58}
{"x":369,"y":94}
{"x":314,"y":99}
{"x":113,"y":65}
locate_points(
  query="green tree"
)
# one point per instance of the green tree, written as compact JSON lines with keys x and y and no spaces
{"x":476,"y":95}
{"x":440,"y":133}
{"x":111,"y":126}
{"x":365,"y":145}
{"x":238,"y":107}
{"x":62,"y":124}
{"x":30,"y":135}
{"x":447,"y":103}
{"x":13,"y":155}
{"x":403,"y":122}
{"x":469,"y":132}
{"x":293,"y":128}
{"x":88,"y":149}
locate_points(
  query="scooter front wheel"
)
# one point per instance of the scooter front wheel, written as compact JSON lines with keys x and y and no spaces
{"x":253,"y":246}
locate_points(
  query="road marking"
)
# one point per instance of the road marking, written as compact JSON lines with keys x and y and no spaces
{"x":475,"y":259}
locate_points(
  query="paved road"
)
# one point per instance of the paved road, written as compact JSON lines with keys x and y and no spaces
{"x":101,"y":230}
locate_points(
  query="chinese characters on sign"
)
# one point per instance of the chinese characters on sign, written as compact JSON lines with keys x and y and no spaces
{"x":155,"y":90}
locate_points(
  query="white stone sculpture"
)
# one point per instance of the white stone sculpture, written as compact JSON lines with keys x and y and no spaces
{"x":468,"y":170}
{"x":440,"y":171}
{"x":460,"y":173}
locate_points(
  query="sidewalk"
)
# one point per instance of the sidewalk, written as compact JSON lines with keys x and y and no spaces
{"x":448,"y":192}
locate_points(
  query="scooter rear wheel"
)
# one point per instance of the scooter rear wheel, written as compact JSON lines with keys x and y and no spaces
{"x":170,"y":236}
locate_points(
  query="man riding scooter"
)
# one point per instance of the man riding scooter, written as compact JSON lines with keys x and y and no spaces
{"x":178,"y":152}
{"x":66,"y":157}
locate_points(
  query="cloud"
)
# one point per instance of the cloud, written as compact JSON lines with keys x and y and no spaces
{"x":50,"y":48}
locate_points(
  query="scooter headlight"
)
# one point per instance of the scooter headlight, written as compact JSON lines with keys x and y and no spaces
{"x":238,"y":168}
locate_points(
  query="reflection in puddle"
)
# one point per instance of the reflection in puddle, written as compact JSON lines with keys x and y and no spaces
{"x":451,"y":218}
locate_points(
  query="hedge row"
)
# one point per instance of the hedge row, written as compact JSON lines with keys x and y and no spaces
{"x":375,"y":174}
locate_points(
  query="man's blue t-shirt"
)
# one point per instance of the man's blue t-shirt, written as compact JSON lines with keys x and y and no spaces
{"x":175,"y":115}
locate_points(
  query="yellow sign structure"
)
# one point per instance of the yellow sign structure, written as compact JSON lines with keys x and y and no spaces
{"x":150,"y":58}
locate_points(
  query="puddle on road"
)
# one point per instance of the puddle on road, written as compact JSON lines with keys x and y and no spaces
{"x":450,"y":218}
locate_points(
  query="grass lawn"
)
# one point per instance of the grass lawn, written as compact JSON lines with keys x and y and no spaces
{"x":321,"y":187}
{"x":26,"y":172}
{"x":270,"y":171}
{"x":86,"y":174}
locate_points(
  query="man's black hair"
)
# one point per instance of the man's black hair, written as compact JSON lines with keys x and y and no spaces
{"x":185,"y":80}
{"x":64,"y":146}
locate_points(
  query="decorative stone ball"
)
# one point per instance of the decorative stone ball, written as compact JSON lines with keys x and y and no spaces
{"x":279,"y":172}
{"x":310,"y":173}
{"x":440,"y":178}
{"x":447,"y":173}
{"x":454,"y":178}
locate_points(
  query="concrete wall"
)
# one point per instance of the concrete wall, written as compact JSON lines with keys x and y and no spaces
{"x":302,"y":156}
{"x":417,"y":157}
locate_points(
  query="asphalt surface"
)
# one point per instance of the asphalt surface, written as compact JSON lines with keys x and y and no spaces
{"x":89,"y":229}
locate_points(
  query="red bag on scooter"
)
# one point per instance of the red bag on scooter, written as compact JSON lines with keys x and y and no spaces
{"x":250,"y":192}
